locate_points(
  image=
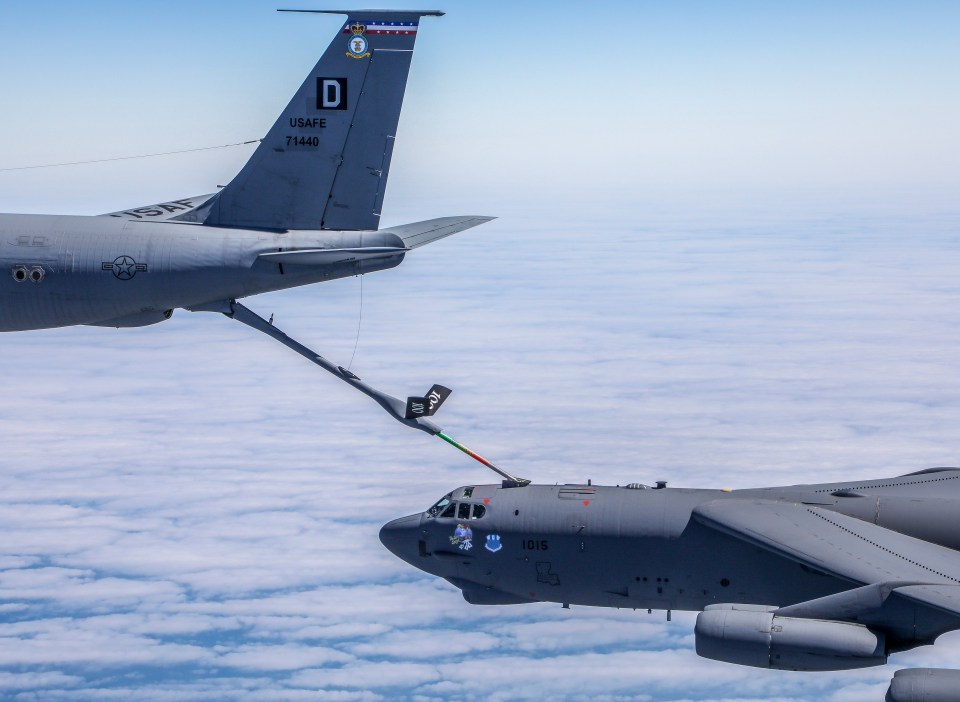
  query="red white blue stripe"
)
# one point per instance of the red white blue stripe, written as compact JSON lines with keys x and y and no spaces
{"x":375,"y":27}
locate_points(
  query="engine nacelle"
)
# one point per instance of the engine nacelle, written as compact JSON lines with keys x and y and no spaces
{"x":141,"y":319}
{"x":924,"y":685}
{"x":755,"y":636}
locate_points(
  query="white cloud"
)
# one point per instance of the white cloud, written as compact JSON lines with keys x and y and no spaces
{"x":283,"y":657}
{"x":427,"y":644}
{"x":37,"y":681}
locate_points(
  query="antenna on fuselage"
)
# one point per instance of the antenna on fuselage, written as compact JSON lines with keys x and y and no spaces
{"x":412,"y":413}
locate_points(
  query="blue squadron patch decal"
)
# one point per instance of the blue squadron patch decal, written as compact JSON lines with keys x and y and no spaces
{"x":357,"y":45}
{"x":462,"y":537}
{"x":493,"y":543}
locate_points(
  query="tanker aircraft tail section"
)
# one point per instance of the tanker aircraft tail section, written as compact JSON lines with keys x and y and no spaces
{"x":304,"y":209}
{"x":324,"y":163}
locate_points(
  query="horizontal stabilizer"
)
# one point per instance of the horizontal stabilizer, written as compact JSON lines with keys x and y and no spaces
{"x":422,"y":233}
{"x":323,"y":257}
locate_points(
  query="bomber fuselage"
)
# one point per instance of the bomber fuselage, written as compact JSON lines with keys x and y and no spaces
{"x":640,"y":548}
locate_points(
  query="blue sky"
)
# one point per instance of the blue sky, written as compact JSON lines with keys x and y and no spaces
{"x":712,"y":104}
{"x":731,"y":227}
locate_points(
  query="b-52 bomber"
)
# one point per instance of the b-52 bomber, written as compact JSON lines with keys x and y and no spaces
{"x":805,"y":577}
{"x":304,"y":209}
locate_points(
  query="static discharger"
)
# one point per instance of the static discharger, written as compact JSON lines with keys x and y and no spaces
{"x":412,"y":413}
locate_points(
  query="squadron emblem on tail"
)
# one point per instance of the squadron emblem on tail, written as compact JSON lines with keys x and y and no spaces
{"x":357,"y":46}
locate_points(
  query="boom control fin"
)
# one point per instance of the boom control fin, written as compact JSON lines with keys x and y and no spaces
{"x":428,"y":405}
{"x":413,"y":413}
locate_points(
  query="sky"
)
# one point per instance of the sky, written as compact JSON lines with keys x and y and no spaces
{"x":726,"y":255}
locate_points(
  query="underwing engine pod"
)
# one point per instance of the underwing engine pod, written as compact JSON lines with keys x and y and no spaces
{"x":754,"y":636}
{"x":924,"y":685}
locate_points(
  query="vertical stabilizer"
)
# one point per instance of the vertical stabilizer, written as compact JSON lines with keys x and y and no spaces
{"x":324,"y":164}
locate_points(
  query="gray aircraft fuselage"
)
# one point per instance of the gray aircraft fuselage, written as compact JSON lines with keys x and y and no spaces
{"x":305,"y":208}
{"x":834,"y":576}
{"x":101,"y":269}
{"x":640,"y":548}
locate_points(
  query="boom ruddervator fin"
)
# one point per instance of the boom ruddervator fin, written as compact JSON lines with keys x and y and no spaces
{"x":324,"y":163}
{"x":413,"y":413}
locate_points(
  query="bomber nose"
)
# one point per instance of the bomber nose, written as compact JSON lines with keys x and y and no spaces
{"x":401,"y":536}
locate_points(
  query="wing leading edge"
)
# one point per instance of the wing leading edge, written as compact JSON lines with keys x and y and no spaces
{"x":907,"y":587}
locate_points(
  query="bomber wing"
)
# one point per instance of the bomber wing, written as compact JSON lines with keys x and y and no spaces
{"x":903,"y":585}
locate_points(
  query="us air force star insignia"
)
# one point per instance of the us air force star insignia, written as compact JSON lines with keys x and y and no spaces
{"x":124,"y":267}
{"x":357,"y":45}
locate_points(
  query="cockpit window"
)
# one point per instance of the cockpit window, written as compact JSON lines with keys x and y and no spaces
{"x":448,"y":509}
{"x":438,"y":508}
